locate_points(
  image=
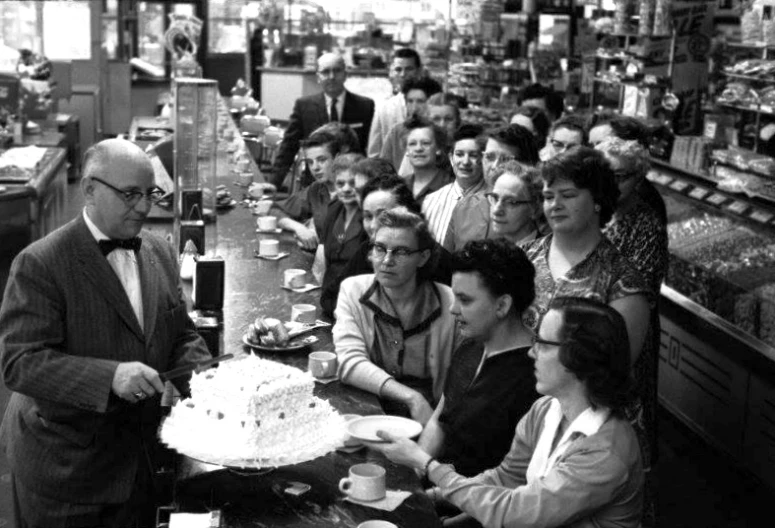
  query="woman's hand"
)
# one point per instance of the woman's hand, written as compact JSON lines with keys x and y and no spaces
{"x":306,"y":238}
{"x":401,"y":450}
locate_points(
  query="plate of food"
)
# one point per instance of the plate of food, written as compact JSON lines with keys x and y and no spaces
{"x":366,"y":427}
{"x":271,"y":335}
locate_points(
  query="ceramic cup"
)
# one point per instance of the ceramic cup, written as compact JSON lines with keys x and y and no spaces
{"x":377,"y":524}
{"x":294,"y":278}
{"x":263,"y":207}
{"x":243,"y":165}
{"x":267,"y":223}
{"x":269,"y":248}
{"x":365,"y":483}
{"x":322,"y":365}
{"x":304,"y":313}
{"x":245,"y":177}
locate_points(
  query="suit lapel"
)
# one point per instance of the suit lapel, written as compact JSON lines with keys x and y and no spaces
{"x":321,"y":110}
{"x":97,"y":270}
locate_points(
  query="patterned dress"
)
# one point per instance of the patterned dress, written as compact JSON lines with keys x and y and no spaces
{"x":605,"y":275}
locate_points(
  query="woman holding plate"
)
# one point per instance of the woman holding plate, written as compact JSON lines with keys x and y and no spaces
{"x":394,"y":333}
{"x":575,"y":459}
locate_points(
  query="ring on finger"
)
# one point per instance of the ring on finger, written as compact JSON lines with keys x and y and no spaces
{"x":139,"y":395}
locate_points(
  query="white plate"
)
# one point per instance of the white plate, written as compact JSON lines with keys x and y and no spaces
{"x":272,"y":257}
{"x":365,"y":429}
{"x":307,"y":287}
{"x":269,"y":231}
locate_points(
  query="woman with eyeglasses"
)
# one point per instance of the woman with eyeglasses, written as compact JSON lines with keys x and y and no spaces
{"x":342,"y":232}
{"x":490,"y":384}
{"x":574,"y":460}
{"x":379,"y":193}
{"x":515,"y":204}
{"x":394,"y":333}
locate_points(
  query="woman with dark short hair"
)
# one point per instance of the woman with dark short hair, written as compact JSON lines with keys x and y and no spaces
{"x":490,"y":384}
{"x":575,"y":460}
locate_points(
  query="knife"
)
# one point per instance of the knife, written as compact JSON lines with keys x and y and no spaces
{"x":200,"y":365}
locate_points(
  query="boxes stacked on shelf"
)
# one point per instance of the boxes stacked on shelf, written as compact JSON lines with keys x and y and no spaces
{"x":691,"y":153}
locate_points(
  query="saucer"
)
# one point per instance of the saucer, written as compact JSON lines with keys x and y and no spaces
{"x":307,"y":287}
{"x":326,"y":381}
{"x":271,"y":257}
{"x":269,"y":231}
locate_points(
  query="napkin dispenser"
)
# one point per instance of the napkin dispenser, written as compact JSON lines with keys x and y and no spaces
{"x":209,"y":283}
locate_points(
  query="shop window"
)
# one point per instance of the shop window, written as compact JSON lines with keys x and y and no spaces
{"x":58,"y":29}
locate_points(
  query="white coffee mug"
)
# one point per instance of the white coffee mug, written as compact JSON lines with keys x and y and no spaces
{"x":295,"y":278}
{"x":245,"y":178}
{"x":304,"y":313}
{"x":263,"y":207}
{"x":322,"y":365}
{"x":365,"y":483}
{"x":269,"y":248}
{"x":267,"y":223}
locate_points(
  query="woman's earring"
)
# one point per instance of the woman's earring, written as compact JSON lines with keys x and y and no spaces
{"x":597,"y":208}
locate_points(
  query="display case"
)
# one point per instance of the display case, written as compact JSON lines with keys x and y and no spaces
{"x":195,"y":142}
{"x":717,"y":312}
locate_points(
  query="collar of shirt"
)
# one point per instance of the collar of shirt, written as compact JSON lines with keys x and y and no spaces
{"x":528,"y":238}
{"x":339,"y":104}
{"x":461,"y":192}
{"x":95,"y":231}
{"x":585,"y":424}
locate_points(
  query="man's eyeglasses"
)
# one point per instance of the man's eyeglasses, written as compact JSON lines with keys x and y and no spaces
{"x":132,"y":198}
{"x":538,"y":341}
{"x":380,"y":251}
{"x":507,"y":201}
{"x":492,"y":157}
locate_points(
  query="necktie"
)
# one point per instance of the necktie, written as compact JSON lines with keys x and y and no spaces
{"x":106,"y":246}
{"x":334,"y":113}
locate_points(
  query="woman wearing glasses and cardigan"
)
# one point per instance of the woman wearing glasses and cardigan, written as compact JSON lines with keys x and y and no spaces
{"x":574,"y":460}
{"x":394,"y":333}
{"x":515,"y":204}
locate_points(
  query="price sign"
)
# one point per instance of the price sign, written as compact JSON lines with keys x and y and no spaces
{"x":717,"y":199}
{"x":738,"y":207}
{"x":679,"y":185}
{"x":662,"y":178}
{"x":698,"y":193}
{"x":767,"y":109}
{"x":761,"y":216}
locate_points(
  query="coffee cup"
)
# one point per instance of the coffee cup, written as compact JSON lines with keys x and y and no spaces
{"x":269,"y":248}
{"x":267,"y":223}
{"x":295,"y":278}
{"x":304,"y":313}
{"x":377,"y":524}
{"x":322,"y":365}
{"x":261,"y":191}
{"x":263,"y":207}
{"x":245,"y":178}
{"x":365,"y":483}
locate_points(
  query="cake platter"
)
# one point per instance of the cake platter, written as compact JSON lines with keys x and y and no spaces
{"x":294,"y":345}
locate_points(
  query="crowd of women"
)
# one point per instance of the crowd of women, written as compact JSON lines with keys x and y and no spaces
{"x":500,"y":287}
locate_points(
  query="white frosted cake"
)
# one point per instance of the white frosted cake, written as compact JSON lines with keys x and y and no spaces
{"x":253,"y":412}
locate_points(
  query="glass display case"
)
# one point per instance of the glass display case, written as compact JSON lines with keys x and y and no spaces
{"x":196,"y":114}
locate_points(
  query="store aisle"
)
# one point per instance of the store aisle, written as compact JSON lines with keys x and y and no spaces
{"x":698,"y":487}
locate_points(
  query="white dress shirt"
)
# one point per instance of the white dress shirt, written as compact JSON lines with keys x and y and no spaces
{"x":339,"y":105}
{"x":124,"y":263}
{"x":388,"y":115}
{"x":438,"y":206}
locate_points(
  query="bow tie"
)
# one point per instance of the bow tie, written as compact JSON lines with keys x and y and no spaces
{"x":106,"y":246}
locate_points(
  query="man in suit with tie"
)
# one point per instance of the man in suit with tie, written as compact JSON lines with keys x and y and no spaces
{"x":90,"y":316}
{"x":334,"y":103}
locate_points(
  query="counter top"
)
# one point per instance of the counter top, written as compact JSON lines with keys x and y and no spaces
{"x":250,"y":498}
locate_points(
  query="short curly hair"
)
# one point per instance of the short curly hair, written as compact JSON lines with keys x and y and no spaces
{"x":596,"y":349}
{"x":402,"y":218}
{"x":632,"y":155}
{"x":503,"y":269}
{"x":588,"y":169}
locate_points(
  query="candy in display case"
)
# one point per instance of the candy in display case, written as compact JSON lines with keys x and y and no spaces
{"x":196,"y":115}
{"x":724,"y":266}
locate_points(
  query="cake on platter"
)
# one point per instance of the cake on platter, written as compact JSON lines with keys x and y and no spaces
{"x":252,"y":412}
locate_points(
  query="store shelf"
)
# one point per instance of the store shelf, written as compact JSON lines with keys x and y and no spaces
{"x":763,"y":109}
{"x":751,"y":78}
